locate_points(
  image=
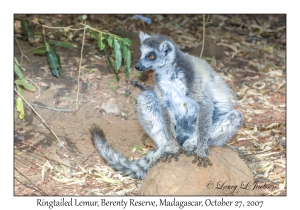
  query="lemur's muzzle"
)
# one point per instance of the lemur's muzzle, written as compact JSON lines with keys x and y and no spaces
{"x":137,"y":67}
{"x":140,"y":67}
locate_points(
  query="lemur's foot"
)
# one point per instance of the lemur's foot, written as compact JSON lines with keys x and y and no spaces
{"x":201,"y":156}
{"x":168,"y":157}
{"x":190,"y":151}
{"x":206,"y":161}
{"x":170,"y":152}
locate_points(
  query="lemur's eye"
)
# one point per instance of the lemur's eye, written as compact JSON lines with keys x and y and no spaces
{"x":151,"y":57}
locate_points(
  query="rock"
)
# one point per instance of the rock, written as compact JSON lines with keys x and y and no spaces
{"x":227,"y":176}
{"x":110,"y":107}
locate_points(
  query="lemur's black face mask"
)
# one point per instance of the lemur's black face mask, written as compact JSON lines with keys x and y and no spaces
{"x":150,"y":57}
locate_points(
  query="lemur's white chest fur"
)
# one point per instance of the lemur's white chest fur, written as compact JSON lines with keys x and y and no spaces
{"x":182,"y":108}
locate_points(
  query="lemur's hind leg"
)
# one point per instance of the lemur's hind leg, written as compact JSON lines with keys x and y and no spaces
{"x":151,"y":118}
{"x":223,"y":129}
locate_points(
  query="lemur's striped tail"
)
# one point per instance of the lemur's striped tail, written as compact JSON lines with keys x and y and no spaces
{"x":136,"y":169}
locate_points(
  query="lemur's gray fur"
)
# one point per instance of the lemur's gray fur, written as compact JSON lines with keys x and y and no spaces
{"x":188,"y":110}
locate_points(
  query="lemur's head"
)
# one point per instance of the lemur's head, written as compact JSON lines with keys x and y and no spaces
{"x":157,"y":52}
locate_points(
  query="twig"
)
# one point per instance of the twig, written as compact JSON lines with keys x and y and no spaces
{"x":37,"y":188}
{"x":43,"y":193}
{"x":85,"y":159}
{"x":83,"y":37}
{"x":21,"y":53}
{"x":41,"y":155}
{"x":59,"y":27}
{"x":34,"y":48}
{"x":54,"y":109}
{"x":62,"y":27}
{"x":25,"y":161}
{"x":79,"y":29}
{"x":275,"y":191}
{"x":28,"y":104}
{"x":203,"y":36}
{"x":264,"y":180}
{"x":44,"y":33}
{"x":103,"y":32}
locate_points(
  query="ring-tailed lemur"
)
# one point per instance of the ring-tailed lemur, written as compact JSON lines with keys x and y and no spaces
{"x":188,"y":110}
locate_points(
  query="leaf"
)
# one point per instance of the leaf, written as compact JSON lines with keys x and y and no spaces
{"x":127,"y":41}
{"x":62,"y":44}
{"x":110,"y":41}
{"x":47,"y":47}
{"x":16,"y":60}
{"x":58,"y":58}
{"x":109,"y":61}
{"x":20,"y":90}
{"x":45,"y":168}
{"x":53,"y":60}
{"x":18,"y":71}
{"x":127,"y":59}
{"x":108,"y":180}
{"x":27,"y":30}
{"x":25,"y":84}
{"x":137,"y":148}
{"x":101,"y":44}
{"x":39,"y":51}
{"x":92,"y":34}
{"x":231,"y":46}
{"x":84,"y":17}
{"x":118,"y":55}
{"x":20,"y":107}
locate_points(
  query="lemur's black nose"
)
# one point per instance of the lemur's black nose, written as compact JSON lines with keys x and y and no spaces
{"x":137,"y":67}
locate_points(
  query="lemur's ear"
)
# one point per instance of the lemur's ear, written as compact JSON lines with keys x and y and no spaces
{"x":166,"y":47}
{"x":143,"y":36}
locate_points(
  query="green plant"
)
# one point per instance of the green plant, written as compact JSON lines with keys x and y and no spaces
{"x":27,"y":30}
{"x":121,"y":50}
{"x":138,"y":74}
{"x":115,"y":47}
{"x":20,"y":83}
{"x":113,"y":84}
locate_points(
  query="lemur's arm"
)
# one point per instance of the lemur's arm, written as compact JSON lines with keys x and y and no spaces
{"x":139,"y":85}
{"x":170,"y":130}
{"x":204,"y":123}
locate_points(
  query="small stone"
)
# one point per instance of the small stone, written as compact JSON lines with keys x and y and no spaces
{"x":110,"y":107}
